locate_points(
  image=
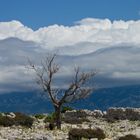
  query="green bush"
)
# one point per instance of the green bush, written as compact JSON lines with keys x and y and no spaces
{"x":50,"y":118}
{"x":129,"y":137}
{"x":20,"y":119}
{"x":23,"y":120}
{"x":78,"y":134}
{"x":40,"y":116}
{"x":6,"y":121}
{"x":66,"y":108}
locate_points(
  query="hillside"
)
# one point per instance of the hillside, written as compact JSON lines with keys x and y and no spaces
{"x":31,"y":102}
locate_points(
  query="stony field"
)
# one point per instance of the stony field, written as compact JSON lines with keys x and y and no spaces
{"x":116,"y":123}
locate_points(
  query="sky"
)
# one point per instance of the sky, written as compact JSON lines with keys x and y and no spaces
{"x":94,"y":34}
{"x":40,"y":13}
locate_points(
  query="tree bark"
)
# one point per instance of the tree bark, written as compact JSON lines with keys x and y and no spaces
{"x":58,"y":116}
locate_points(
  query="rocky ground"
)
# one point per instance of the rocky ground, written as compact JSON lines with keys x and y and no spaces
{"x":112,"y":127}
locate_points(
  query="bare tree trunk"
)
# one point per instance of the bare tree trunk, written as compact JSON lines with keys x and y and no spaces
{"x":58,"y":116}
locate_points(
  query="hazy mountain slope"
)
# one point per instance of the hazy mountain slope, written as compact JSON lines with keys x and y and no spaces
{"x":127,"y":96}
{"x":29,"y":102}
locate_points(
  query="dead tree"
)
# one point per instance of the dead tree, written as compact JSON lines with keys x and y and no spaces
{"x":77,"y":89}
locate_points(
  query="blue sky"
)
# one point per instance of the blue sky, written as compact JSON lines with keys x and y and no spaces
{"x":38,"y":13}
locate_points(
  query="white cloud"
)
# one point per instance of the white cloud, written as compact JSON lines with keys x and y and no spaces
{"x":87,"y":30}
{"x":96,"y":23}
{"x":15,"y":29}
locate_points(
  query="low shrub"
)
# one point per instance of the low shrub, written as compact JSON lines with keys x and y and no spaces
{"x":78,"y":134}
{"x":40,"y":116}
{"x":66,"y":108}
{"x":20,"y":119}
{"x":23,"y":120}
{"x":6,"y":121}
{"x":129,"y":137}
{"x":50,"y":118}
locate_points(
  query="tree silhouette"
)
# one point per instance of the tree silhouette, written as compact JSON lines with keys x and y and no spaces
{"x":77,"y":89}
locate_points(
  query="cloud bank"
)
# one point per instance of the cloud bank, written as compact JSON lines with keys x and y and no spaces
{"x":113,"y":48}
{"x":86,"y":30}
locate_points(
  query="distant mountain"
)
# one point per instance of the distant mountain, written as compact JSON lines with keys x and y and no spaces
{"x":126,"y":96}
{"x":24,"y":102}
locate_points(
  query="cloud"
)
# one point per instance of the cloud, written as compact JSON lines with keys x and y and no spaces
{"x":104,"y":24}
{"x":15,"y":29}
{"x":116,"y":63}
{"x":87,"y":30}
{"x":113,"y":48}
